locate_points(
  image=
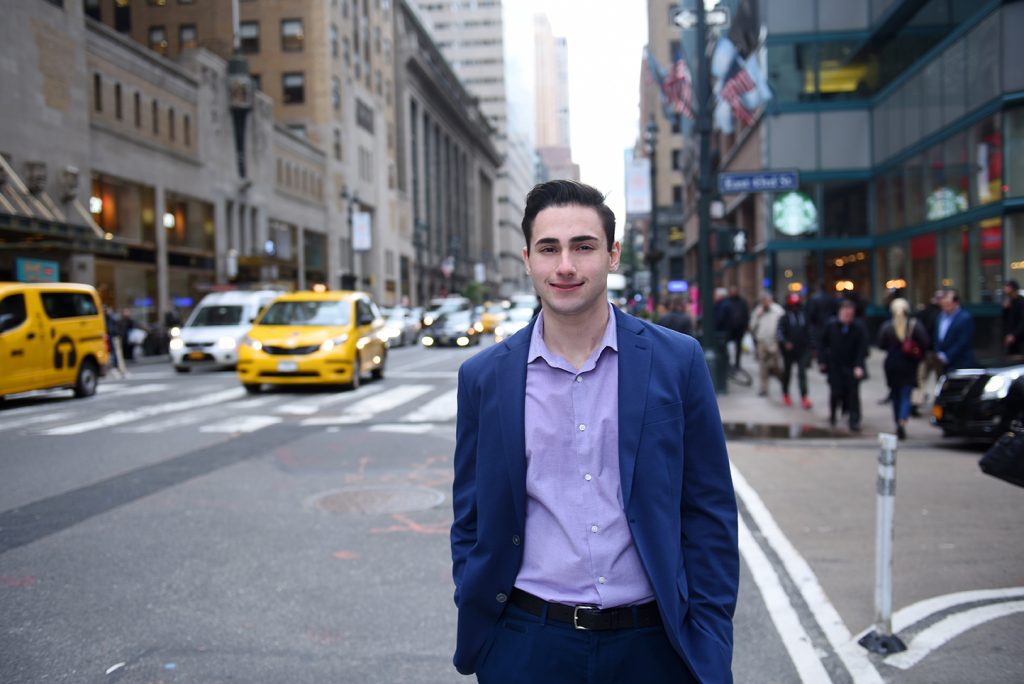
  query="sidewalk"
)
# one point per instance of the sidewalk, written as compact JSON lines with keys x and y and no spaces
{"x":741,"y":406}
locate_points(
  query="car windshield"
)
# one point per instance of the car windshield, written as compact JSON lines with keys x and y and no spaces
{"x":456,"y":318}
{"x":217,"y":315}
{"x":520,"y":314}
{"x":495,"y":309}
{"x":310,"y":312}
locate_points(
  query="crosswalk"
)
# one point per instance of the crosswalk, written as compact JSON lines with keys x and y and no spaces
{"x":410,"y":402}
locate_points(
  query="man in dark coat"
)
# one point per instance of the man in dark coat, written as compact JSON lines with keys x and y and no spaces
{"x":1013,"y":319}
{"x":820,"y":308}
{"x":795,"y":342}
{"x":677,"y":318}
{"x":841,"y":355}
{"x":954,"y":333}
{"x":739,"y":314}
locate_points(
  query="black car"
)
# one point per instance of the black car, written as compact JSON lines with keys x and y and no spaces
{"x":460,"y":328}
{"x":980,"y":402}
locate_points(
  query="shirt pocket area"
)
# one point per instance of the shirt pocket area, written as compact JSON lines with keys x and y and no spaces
{"x":666,"y":412}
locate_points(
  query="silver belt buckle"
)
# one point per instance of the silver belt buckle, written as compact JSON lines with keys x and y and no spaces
{"x":576,"y":616}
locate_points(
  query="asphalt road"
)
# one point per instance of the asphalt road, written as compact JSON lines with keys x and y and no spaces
{"x":174,"y":529}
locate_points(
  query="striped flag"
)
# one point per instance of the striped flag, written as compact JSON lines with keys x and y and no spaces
{"x":678,"y":89}
{"x":738,"y":84}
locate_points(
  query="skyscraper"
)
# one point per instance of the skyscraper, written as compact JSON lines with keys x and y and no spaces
{"x":551,"y":108}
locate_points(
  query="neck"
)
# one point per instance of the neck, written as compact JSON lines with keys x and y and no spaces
{"x":575,"y":337}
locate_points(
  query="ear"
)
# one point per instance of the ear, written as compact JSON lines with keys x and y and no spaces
{"x":614,"y":256}
{"x":526,"y":260}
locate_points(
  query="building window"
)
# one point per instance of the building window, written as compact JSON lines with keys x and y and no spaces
{"x":187,"y":38}
{"x":117,"y":101}
{"x":346,"y":51}
{"x":257,"y":82}
{"x":364,"y":116}
{"x":158,"y":39}
{"x":299,"y":130}
{"x":170,"y":123}
{"x":187,"y":130}
{"x":156,"y":118}
{"x":138,"y":109}
{"x":334,"y":40}
{"x":293,"y":86}
{"x":97,"y":92}
{"x":336,"y":93}
{"x":291,"y":35}
{"x":387,"y":51}
{"x":249,"y":37}
{"x":92,"y":9}
{"x":337,"y":144}
{"x":677,"y":195}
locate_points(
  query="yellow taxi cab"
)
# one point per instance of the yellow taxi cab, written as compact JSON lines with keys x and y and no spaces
{"x":493,"y":315}
{"x":314,"y":338}
{"x":51,"y":335}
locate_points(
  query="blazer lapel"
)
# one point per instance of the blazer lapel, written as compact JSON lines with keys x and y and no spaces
{"x":634,"y":376}
{"x":511,"y":379}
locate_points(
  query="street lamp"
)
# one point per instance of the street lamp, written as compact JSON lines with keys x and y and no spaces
{"x":653,"y":256}
{"x":348,"y":281}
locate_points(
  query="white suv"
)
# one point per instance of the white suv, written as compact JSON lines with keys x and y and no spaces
{"x":211,"y":335}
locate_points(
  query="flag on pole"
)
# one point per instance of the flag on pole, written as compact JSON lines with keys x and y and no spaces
{"x":741,"y":85}
{"x":678,"y":88}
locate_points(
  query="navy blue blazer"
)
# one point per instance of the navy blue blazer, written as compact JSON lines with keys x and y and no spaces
{"x":958,"y":344}
{"x":676,"y":490}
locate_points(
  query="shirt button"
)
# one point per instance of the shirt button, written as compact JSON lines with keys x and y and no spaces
{"x":593,"y":528}
{"x":501,"y":598}
{"x":600,"y":580}
{"x":587,"y":477}
{"x":579,"y":378}
{"x":516,"y":540}
{"x":582,"y":427}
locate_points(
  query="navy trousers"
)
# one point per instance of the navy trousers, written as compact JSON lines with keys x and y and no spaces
{"x":528,"y":649}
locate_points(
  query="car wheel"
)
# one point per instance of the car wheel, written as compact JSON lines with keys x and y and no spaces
{"x":183,"y":369}
{"x":378,"y":372}
{"x":252,"y":387}
{"x":88,"y":377}
{"x":357,"y":372}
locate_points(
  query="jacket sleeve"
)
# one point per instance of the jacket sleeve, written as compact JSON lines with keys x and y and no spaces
{"x":708,"y":510}
{"x":960,"y":338}
{"x":463,"y":534}
{"x":1018,"y":332}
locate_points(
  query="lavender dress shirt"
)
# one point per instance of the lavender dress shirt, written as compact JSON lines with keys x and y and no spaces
{"x":577,"y":547}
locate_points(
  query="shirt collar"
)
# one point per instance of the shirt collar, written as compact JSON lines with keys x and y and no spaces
{"x":538,"y":349}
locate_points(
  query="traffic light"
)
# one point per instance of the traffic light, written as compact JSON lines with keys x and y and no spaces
{"x":728,"y":242}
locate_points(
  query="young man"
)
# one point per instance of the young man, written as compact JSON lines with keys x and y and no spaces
{"x":842,"y":352}
{"x":954,"y":333}
{"x":595,"y":520}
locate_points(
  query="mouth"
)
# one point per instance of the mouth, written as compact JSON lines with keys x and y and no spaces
{"x":566,"y":287}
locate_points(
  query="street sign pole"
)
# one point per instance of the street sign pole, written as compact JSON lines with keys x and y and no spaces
{"x":715,"y":357}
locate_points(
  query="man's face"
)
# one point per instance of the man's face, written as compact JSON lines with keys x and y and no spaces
{"x":846,"y":315}
{"x":1008,"y":290}
{"x":569,"y":260}
{"x":947,"y":302}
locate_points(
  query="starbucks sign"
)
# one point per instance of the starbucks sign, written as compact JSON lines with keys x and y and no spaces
{"x":794,"y":213}
{"x":945,"y":202}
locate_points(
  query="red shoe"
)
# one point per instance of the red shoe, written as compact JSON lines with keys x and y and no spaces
{"x":806,"y":403}
{"x":786,"y":400}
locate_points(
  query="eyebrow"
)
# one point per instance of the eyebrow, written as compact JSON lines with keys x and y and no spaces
{"x":573,"y":240}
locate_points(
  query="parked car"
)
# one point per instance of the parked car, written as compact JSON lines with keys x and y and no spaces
{"x":212,"y":333}
{"x":443,"y":305}
{"x":51,"y":335}
{"x":314,"y":338}
{"x":460,"y":328}
{"x":515,"y":320}
{"x":401,"y":326}
{"x":980,"y":402}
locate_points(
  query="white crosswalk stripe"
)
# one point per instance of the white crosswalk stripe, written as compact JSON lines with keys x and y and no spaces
{"x":311,"y":406}
{"x":438,"y":410}
{"x":242,"y":424}
{"x":375,"y":405}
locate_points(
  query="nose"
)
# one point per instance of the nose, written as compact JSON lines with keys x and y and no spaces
{"x":566,"y":267}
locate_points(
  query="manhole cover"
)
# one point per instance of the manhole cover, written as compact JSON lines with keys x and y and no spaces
{"x":375,"y":500}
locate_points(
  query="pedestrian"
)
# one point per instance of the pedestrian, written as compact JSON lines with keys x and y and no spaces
{"x":124,"y":330}
{"x":589,"y":525}
{"x":110,"y":320}
{"x":842,"y":353}
{"x":904,"y":340}
{"x":1013,"y":319}
{"x":739,"y":314}
{"x":678,"y":317}
{"x":795,"y":340}
{"x":764,"y":327}
{"x":820,"y":308}
{"x":723,"y":315}
{"x":954,"y":334}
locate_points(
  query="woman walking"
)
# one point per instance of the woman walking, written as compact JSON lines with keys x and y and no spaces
{"x":904,"y":341}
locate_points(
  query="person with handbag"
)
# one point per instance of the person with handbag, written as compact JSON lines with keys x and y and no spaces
{"x":904,"y":342}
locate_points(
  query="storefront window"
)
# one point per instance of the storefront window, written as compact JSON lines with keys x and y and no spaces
{"x":987,"y":262}
{"x":314,"y":250}
{"x":1013,"y":255}
{"x":915,"y":178}
{"x":881,"y":205}
{"x":897,"y":199}
{"x":188,"y":223}
{"x":923,"y":279}
{"x":845,"y":209}
{"x":791,"y":274}
{"x":891,"y":269}
{"x":791,"y":72}
{"x":1014,"y":152}
{"x":848,"y":272}
{"x":955,"y":248}
{"x":122,"y":209}
{"x":845,"y":72}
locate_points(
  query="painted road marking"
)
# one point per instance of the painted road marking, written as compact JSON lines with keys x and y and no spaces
{"x":28,"y":421}
{"x":417,"y":429}
{"x":127,"y":390}
{"x":425,"y":375}
{"x":122,"y":417}
{"x":365,"y":410}
{"x":854,"y":658}
{"x":787,"y":623}
{"x":440,"y":409}
{"x":948,"y":628}
{"x":242,"y":424}
{"x":309,"y":407}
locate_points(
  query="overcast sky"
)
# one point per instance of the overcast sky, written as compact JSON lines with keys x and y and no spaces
{"x":606,"y":40}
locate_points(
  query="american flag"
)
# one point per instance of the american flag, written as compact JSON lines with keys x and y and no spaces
{"x":678,"y":89}
{"x":732,"y":92}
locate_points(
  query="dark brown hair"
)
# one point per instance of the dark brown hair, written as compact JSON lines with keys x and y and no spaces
{"x":561,"y":193}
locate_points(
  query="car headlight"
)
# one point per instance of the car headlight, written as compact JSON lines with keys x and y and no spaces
{"x":227,"y":343}
{"x":427,"y":341}
{"x":176,"y":344}
{"x":390,"y":332}
{"x":478,"y":326}
{"x":428,"y":320}
{"x":255,"y":345}
{"x":997,"y":387}
{"x":175,"y":331}
{"x":499,"y":331}
{"x":330,"y":344}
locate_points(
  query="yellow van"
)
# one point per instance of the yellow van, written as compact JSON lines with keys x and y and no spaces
{"x":51,"y":335}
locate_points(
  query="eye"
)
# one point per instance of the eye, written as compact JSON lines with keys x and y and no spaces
{"x":547,"y":250}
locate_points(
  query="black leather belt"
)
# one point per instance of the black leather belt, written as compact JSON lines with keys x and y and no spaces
{"x":590,"y":617}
